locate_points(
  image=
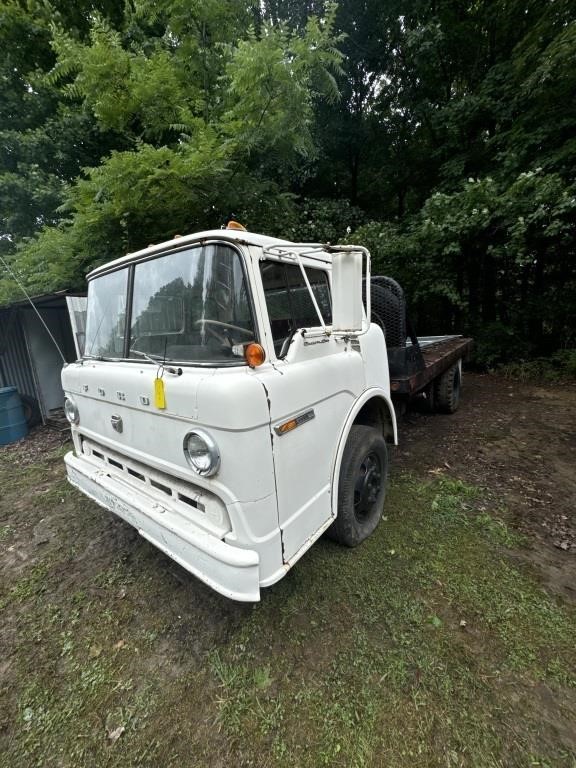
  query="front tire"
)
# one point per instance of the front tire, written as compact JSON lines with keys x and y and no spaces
{"x":361,"y":487}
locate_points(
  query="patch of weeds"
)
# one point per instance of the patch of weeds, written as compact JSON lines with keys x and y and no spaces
{"x":262,"y":678}
{"x":148,"y":637}
{"x":558,"y":368}
{"x":26,"y":479}
{"x":454,"y":501}
{"x":58,"y":492}
{"x":117,"y":575}
{"x":238,"y":686}
{"x":59,"y":716}
{"x":269,"y":715}
{"x":5,"y":532}
{"x":450,"y":497}
{"x":535,"y":632}
{"x":481,"y":584}
{"x":32,"y":585}
{"x":494,"y":529}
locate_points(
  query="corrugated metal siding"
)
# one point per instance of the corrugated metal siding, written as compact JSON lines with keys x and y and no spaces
{"x":15,"y":368}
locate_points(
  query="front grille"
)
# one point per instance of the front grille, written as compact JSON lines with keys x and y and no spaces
{"x":192,"y":502}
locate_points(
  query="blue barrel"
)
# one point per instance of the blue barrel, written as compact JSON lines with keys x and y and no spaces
{"x":12,"y":422}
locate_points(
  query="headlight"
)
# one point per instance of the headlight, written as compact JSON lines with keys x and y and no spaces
{"x":71,"y":411}
{"x":202,"y":453}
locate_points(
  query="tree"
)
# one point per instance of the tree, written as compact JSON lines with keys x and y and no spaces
{"x":442,"y":132}
{"x":43,"y":143}
{"x":186,"y":166}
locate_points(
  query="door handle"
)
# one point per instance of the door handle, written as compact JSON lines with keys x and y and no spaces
{"x":116,"y":422}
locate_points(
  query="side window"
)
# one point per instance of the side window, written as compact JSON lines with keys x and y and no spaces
{"x":288,"y":301}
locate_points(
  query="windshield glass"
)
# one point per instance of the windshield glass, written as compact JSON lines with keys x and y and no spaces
{"x":187,"y":306}
{"x":106,"y":315}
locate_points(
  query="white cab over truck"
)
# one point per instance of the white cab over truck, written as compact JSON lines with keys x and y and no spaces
{"x":233,"y":401}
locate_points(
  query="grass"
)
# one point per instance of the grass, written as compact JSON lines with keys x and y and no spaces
{"x":559,"y":368}
{"x":426,"y":646}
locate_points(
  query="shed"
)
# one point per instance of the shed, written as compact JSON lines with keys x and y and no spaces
{"x":29,"y":359}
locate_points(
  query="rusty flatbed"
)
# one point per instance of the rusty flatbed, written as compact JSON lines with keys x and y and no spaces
{"x":438,"y":354}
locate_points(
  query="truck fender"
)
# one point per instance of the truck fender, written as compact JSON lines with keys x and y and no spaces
{"x":374,"y":393}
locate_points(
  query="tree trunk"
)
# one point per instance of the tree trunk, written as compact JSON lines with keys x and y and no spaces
{"x":535,"y":319}
{"x":354,"y":170}
{"x":489,"y":289}
{"x":401,"y":193}
{"x":473,"y":275}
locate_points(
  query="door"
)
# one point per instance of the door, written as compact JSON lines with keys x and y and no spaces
{"x":311,"y":389}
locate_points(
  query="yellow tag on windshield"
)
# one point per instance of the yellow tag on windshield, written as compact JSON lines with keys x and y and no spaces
{"x":159,"y":397}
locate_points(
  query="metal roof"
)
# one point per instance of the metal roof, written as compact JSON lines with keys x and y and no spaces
{"x":233,"y":235}
{"x":44,"y":300}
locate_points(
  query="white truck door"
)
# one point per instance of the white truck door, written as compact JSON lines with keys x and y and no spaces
{"x":314,"y":386}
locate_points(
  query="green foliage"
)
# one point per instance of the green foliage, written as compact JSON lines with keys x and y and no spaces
{"x":135,"y":91}
{"x":442,"y":136}
{"x":273,"y":81}
{"x":43,"y":143}
{"x":184,"y":165}
{"x":318,"y":220}
{"x":493,"y":258}
{"x":558,"y":368}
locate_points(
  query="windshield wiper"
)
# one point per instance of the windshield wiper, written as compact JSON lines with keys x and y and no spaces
{"x":152,"y":359}
{"x":157,"y":360}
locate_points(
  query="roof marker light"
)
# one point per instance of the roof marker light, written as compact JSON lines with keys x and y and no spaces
{"x":235,"y":225}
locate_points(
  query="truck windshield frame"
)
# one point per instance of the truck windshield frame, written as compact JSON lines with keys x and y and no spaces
{"x":191,"y":305}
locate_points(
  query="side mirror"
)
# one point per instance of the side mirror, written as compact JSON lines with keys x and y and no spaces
{"x":347,"y":289}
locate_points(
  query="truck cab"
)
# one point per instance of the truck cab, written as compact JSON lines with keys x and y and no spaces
{"x":233,"y":402}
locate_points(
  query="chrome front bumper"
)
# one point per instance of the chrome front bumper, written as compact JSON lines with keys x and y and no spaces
{"x":232,"y":571}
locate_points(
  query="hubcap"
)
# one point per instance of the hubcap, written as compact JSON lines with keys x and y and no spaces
{"x":367,"y":486}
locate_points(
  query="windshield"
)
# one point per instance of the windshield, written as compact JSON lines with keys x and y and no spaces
{"x":106,"y":315}
{"x":188,"y":306}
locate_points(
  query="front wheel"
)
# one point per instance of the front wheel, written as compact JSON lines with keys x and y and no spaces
{"x":361,"y":486}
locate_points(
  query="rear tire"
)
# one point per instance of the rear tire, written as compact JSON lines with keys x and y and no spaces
{"x":447,"y":390}
{"x":361,"y":486}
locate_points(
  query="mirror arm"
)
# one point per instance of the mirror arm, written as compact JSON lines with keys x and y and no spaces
{"x":311,"y":292}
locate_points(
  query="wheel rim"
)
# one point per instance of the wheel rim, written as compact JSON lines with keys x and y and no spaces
{"x":368,"y":485}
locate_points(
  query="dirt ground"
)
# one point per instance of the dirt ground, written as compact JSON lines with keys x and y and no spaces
{"x":447,"y":638}
{"x":519,"y":442}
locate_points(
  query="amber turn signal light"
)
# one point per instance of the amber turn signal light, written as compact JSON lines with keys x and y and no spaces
{"x":254,"y":354}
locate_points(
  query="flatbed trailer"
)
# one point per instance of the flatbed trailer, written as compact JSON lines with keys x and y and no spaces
{"x":438,"y":354}
{"x":428,"y":365}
